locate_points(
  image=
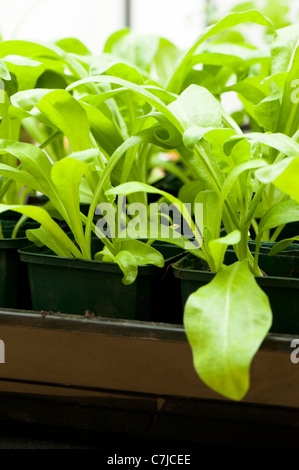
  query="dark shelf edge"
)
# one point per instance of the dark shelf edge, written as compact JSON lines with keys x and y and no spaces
{"x":118,"y":327}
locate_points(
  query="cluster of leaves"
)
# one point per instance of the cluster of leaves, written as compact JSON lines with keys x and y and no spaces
{"x":99,"y":126}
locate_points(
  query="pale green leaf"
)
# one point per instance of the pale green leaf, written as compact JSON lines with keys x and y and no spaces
{"x":226,"y":321}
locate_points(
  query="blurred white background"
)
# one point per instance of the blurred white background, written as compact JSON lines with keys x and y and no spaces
{"x":93,"y":21}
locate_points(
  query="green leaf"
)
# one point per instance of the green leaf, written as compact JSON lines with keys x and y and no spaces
{"x":133,"y":253}
{"x":165,"y":59}
{"x":42,"y":236}
{"x":284,"y":175}
{"x":193,"y":135}
{"x":42,"y":52}
{"x":226,"y":321}
{"x":284,"y":212}
{"x":26,"y":71}
{"x":248,"y":89}
{"x":236,"y":172}
{"x":114,"y":38}
{"x":138,"y":49}
{"x":67,"y":176}
{"x":282,"y":245}
{"x":73,"y":46}
{"x":176,"y":80}
{"x":20,"y":176}
{"x":41,"y":215}
{"x":148,"y":97}
{"x":29,"y":99}
{"x":4,"y":72}
{"x":279,"y":141}
{"x":266,"y":112}
{"x":113,"y":66}
{"x":104,"y":129}
{"x":24,"y":105}
{"x":135,"y":187}
{"x":68,"y":115}
{"x":219,"y":246}
{"x":37,"y":164}
{"x":237,"y":64}
{"x":288,"y":120}
{"x":282,"y":48}
{"x":128,"y":264}
{"x":210,"y":202}
{"x":196,"y":106}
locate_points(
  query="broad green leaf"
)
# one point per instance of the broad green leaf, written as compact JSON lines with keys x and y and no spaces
{"x":284,"y":175}
{"x":248,"y":89}
{"x":144,"y":253}
{"x":133,"y":253}
{"x":37,"y":164}
{"x":4,"y":72}
{"x":128,"y":264}
{"x":282,"y":48}
{"x":113,"y":66}
{"x":278,"y":141}
{"x":193,"y":135}
{"x":86,"y":156}
{"x":42,"y":236}
{"x":189,"y":191}
{"x":210,"y":202}
{"x":165,"y":59}
{"x":176,"y":80}
{"x":237,"y":64}
{"x":104,"y":129}
{"x":217,"y":138}
{"x":266,"y":112}
{"x":133,"y":187}
{"x":29,"y":99}
{"x":26,"y":71}
{"x":218,"y":247}
{"x":163,"y":233}
{"x":226,"y":321}
{"x":20,"y":176}
{"x":39,"y":51}
{"x":196,"y":106}
{"x":278,"y":79}
{"x":282,"y":213}
{"x":67,"y":176}
{"x":148,"y":97}
{"x":68,"y":115}
{"x":114,"y":38}
{"x":288,"y":120}
{"x":41,"y":216}
{"x":139,"y":49}
{"x":73,"y":46}
{"x":24,"y":105}
{"x":282,"y":245}
{"x":237,"y":171}
{"x":26,"y":49}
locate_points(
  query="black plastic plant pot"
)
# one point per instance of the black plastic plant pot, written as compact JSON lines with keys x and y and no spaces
{"x":85,"y":287}
{"x":280,"y":283}
{"x":14,"y":283}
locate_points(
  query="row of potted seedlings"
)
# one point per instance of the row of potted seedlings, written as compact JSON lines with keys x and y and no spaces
{"x":98,"y":130}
